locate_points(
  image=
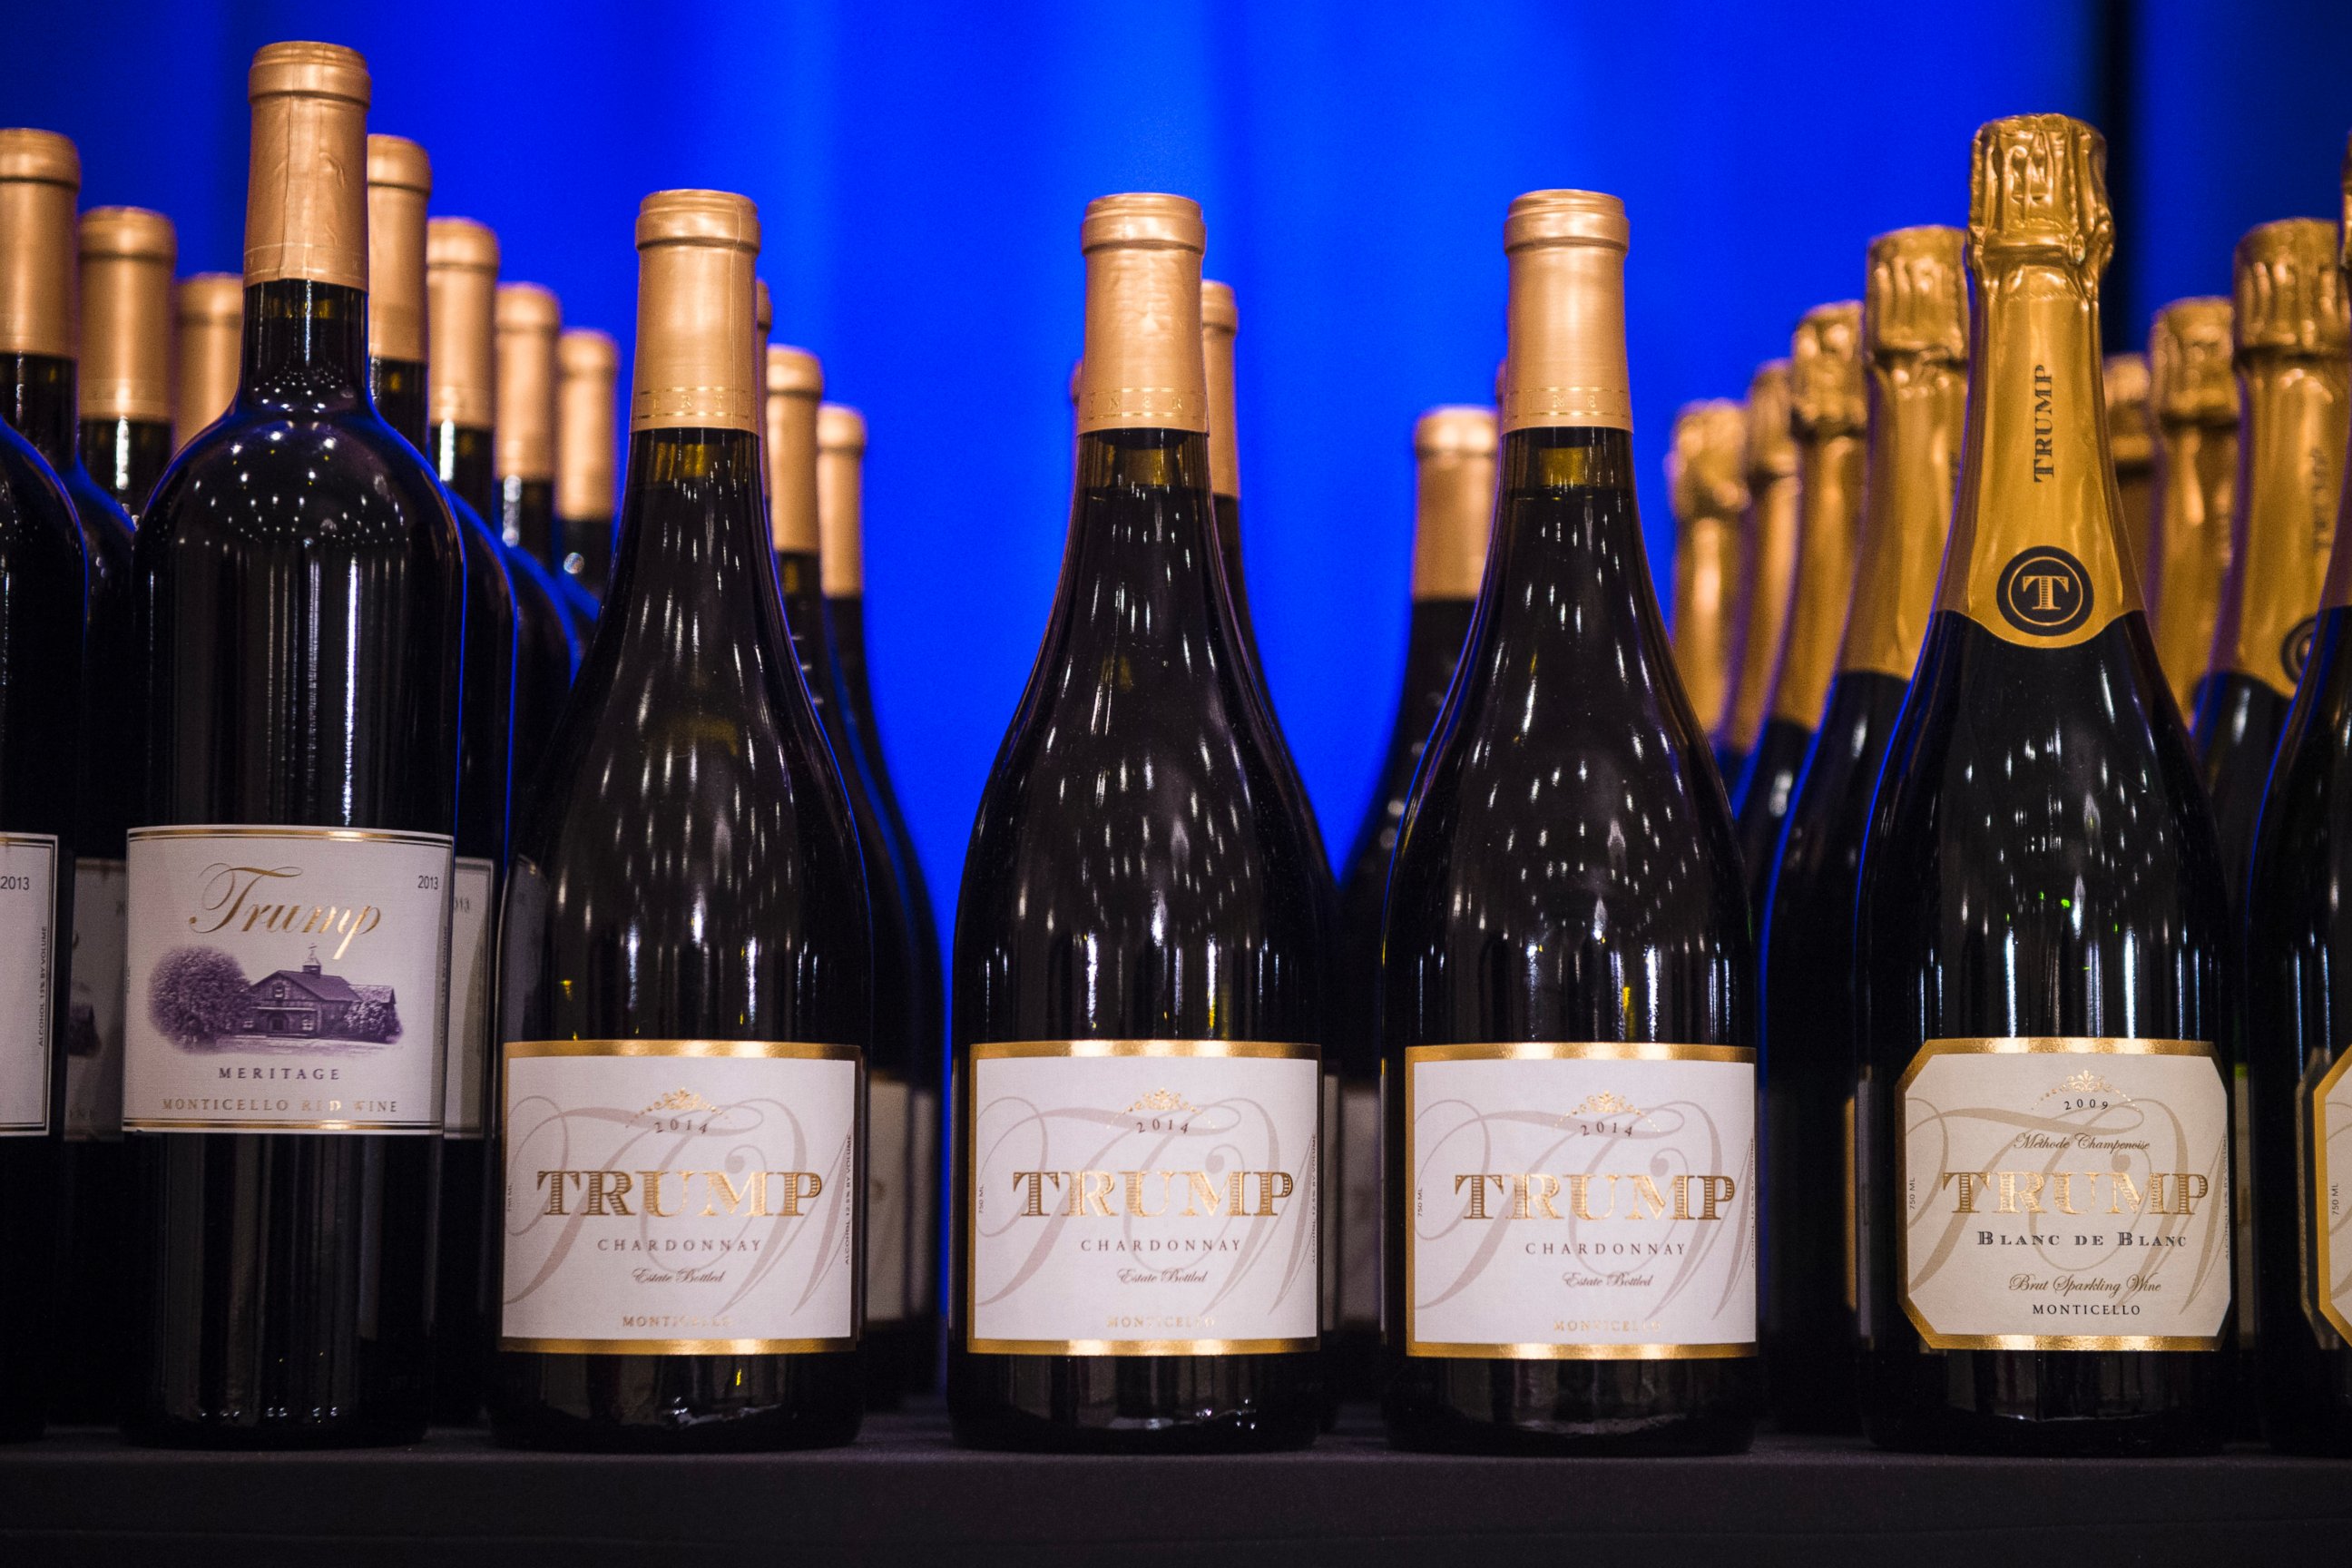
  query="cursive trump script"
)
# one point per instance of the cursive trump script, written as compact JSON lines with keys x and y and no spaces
{"x":240,"y":896}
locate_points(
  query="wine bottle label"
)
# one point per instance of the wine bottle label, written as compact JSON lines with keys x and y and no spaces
{"x":285,"y":980}
{"x":28,"y":918}
{"x":889,"y":1124}
{"x":2327,"y":1214}
{"x":1590,"y":1201}
{"x":680,"y":1197}
{"x":94,"y":1006}
{"x":922,"y":1277}
{"x":2064,"y":1194}
{"x":1359,"y":1243}
{"x":1143,"y":1197}
{"x":472,"y":916}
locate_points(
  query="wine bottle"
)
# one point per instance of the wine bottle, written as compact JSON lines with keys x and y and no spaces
{"x":126,"y":254}
{"x":1826,"y":406}
{"x":289,"y":884}
{"x":44,"y":599}
{"x":2131,"y":436}
{"x":2292,"y":340}
{"x":1138,"y":954}
{"x":1706,"y":476}
{"x":400,"y":186}
{"x":210,"y":311}
{"x":587,"y":364}
{"x":686,"y":971}
{"x":1916,"y":335}
{"x":1567,"y":995}
{"x":2196,"y":400}
{"x":841,"y":454}
{"x":1768,"y":533}
{"x":2042,"y":952}
{"x":461,"y":271}
{"x":529,"y":321}
{"x":1453,"y":509}
{"x":906,"y":1030}
{"x":2299,"y":1089}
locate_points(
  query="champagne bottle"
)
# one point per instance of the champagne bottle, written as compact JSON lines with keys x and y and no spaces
{"x":127,"y":254}
{"x":587,"y":364}
{"x":2041,"y":946}
{"x":2131,"y":435}
{"x":685,"y":968}
{"x":1706,"y":476}
{"x":210,"y":311}
{"x":1220,"y":324}
{"x":1916,"y":336}
{"x":300,"y":590}
{"x":1768,"y":553}
{"x":1568,"y":970}
{"x":2299,"y":1096}
{"x":2292,"y":340}
{"x":841,"y":454}
{"x":400,"y":185}
{"x":529,"y":321}
{"x":907,"y":1024}
{"x":1140,"y":948}
{"x":46,"y":529}
{"x":1453,"y":509}
{"x":2195,"y":401}
{"x":1826,"y":411}
{"x":461,"y":271}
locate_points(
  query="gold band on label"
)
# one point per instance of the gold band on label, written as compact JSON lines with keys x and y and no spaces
{"x":529,"y":320}
{"x":2315,"y":1203}
{"x":697,"y":364}
{"x":126,"y":254}
{"x":211,"y":309}
{"x":1566,"y":312}
{"x":1453,"y":507}
{"x":40,"y":176}
{"x":587,"y":367}
{"x":261,"y":830}
{"x":1768,"y":552}
{"x":840,"y":501}
{"x":1143,"y":367}
{"x":461,"y":273}
{"x":306,"y":197}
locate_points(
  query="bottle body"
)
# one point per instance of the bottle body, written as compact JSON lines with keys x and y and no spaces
{"x":126,"y":456}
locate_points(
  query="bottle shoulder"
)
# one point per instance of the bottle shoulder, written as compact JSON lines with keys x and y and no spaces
{"x":342,"y":480}
{"x":38,"y":529}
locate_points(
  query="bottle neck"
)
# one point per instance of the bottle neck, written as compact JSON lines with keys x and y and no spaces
{"x":1828,"y":507}
{"x":1546,"y":472}
{"x":693,"y":541}
{"x":40,"y":391}
{"x":1910,"y":472}
{"x":461,"y":457}
{"x":2291,"y":454}
{"x":526,"y":512}
{"x":1143,"y":500}
{"x":305,"y":349}
{"x":587,"y":545}
{"x":399,"y":388}
{"x":800,"y":587}
{"x":846,"y":612}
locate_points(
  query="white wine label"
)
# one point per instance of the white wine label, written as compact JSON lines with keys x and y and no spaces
{"x":285,"y":980}
{"x":1143,"y":1197}
{"x":2327,"y":1291}
{"x":680,"y":1197}
{"x":28,"y":918}
{"x":889,"y":1124}
{"x":1359,"y":1244}
{"x":465,"y":1081}
{"x":1584,"y":1200}
{"x":2064,"y":1194}
{"x":922,"y":1273}
{"x":94,"y":1004}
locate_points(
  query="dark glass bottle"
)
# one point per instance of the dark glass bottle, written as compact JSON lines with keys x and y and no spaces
{"x":1567,"y":976}
{"x":2042,"y":950}
{"x":686,"y":910}
{"x":43,"y":600}
{"x":587,"y":363}
{"x":1915,"y":333}
{"x":529,"y":321}
{"x":127,"y":254}
{"x":300,"y":612}
{"x":1139,"y":936}
{"x":1768,"y":534}
{"x":1453,"y":450}
{"x":2195,"y":399}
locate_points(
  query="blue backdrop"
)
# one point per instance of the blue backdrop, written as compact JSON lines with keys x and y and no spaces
{"x":920,"y":170}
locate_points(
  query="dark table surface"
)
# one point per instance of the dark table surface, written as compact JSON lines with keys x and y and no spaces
{"x":904,"y":1494}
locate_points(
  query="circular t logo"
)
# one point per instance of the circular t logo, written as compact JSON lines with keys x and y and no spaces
{"x":2044,"y":591}
{"x":2295,"y":652}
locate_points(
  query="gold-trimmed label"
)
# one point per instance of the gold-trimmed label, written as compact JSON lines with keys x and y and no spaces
{"x":28,"y":918}
{"x":1581,"y":1201}
{"x":680,"y":1197}
{"x":2326,"y":1124}
{"x":2064,"y":1194}
{"x":94,"y":1005}
{"x":1142,"y":1197}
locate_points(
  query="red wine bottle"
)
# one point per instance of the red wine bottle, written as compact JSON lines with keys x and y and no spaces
{"x":126,"y":254}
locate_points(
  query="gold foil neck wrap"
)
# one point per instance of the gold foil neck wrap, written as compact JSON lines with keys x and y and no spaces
{"x":840,"y":501}
{"x":1454,"y":459}
{"x":1772,"y":444}
{"x":1825,"y":390}
{"x":696,"y":363}
{"x":211,"y":309}
{"x":126,"y":255}
{"x":1221,"y":322}
{"x":1707,"y":467}
{"x":795,"y":382}
{"x":1567,"y":361}
{"x":40,"y":176}
{"x":2292,"y":463}
{"x":1707,"y":475}
{"x":306,"y":194}
{"x":2131,"y":431}
{"x":529,"y":320}
{"x":2189,"y":351}
{"x":461,"y":278}
{"x":2287,"y":291}
{"x":2040,"y":189}
{"x":763,"y":311}
{"x":1829,"y":520}
{"x":1143,"y":368}
{"x":1916,"y":298}
{"x":400,"y":183}
{"x":587,"y":365}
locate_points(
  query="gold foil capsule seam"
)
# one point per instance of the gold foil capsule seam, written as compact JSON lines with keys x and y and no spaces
{"x":1826,"y":384}
{"x":1915,"y":300}
{"x":2039,"y":187}
{"x":2287,"y":291}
